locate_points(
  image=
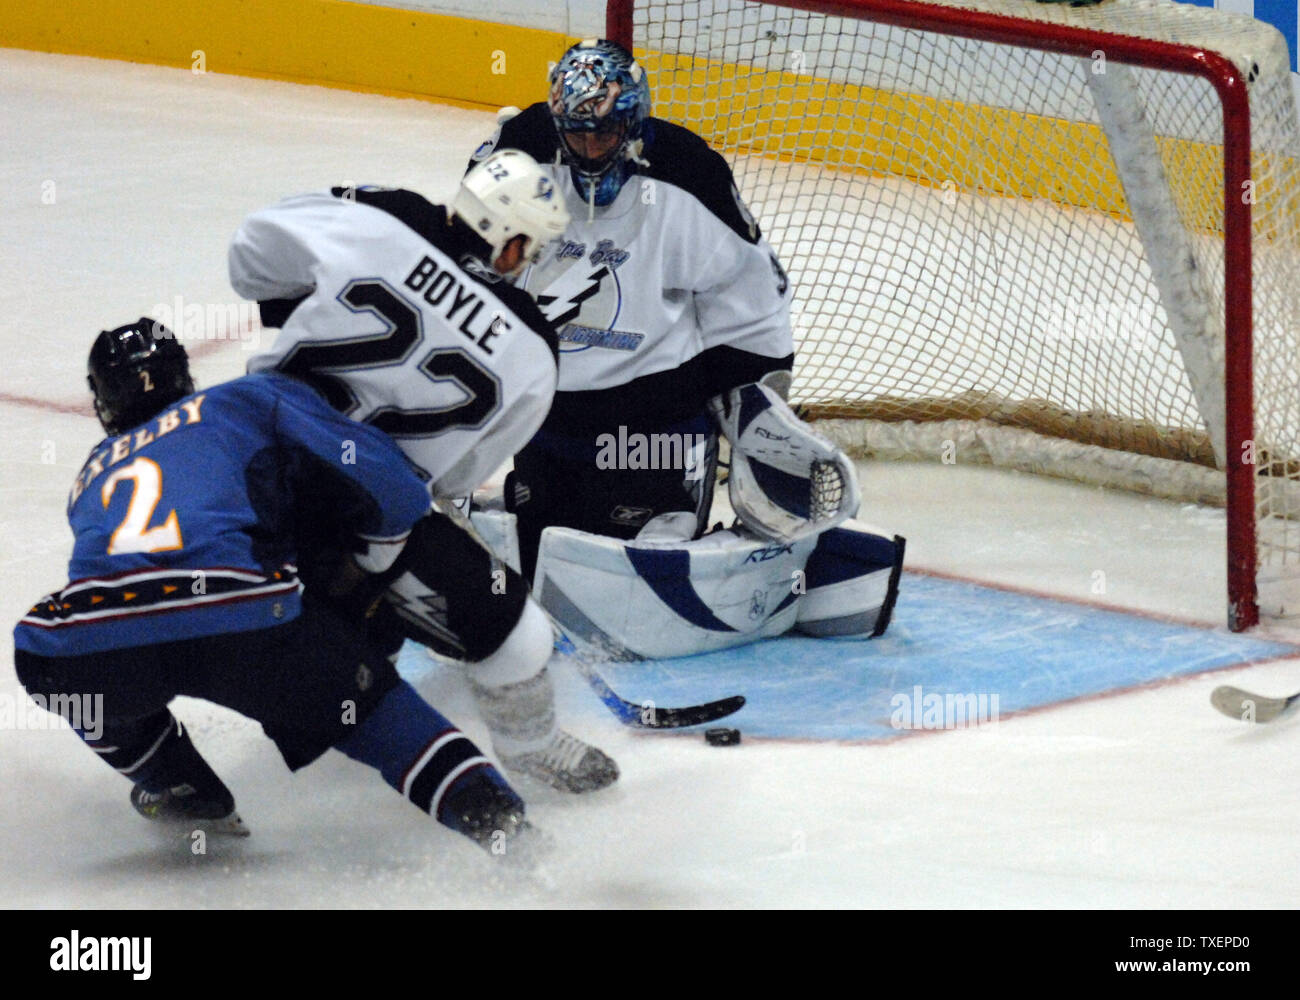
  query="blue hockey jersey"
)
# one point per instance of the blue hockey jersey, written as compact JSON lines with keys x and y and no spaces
{"x":186,"y":526}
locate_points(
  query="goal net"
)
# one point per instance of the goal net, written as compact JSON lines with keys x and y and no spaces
{"x":1061,"y":239}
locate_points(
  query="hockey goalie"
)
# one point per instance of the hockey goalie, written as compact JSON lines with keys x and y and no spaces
{"x":673,"y":321}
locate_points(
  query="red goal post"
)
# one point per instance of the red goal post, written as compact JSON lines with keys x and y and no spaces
{"x":828,"y":109}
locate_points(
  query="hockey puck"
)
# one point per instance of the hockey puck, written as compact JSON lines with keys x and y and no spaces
{"x":722,"y":737}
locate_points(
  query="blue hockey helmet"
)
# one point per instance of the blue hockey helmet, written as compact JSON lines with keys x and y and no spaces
{"x":135,"y":371}
{"x":599,"y":101}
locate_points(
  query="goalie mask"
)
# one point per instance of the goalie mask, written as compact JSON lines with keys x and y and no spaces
{"x":599,"y":102}
{"x":786,"y":481}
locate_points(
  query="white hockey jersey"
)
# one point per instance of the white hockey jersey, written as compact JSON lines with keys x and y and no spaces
{"x":664,"y":298}
{"x":395,"y":321}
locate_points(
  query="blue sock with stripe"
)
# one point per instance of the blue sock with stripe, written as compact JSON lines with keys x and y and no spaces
{"x":431,"y":762}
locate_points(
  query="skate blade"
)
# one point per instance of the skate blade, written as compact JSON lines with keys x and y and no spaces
{"x":226,"y":826}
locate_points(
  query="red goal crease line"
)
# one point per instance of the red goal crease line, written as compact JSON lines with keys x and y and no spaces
{"x":1155,"y":616}
{"x":1078,"y":699}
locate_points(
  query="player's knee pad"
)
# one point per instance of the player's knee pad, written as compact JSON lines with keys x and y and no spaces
{"x":850,"y":582}
{"x":522,"y":655}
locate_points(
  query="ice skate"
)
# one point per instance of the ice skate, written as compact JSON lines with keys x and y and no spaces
{"x":184,"y":806}
{"x":566,"y":763}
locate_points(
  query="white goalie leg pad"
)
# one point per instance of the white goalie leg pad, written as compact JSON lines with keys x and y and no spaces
{"x":652,"y":599}
{"x":851,"y":580}
{"x":786,"y":481}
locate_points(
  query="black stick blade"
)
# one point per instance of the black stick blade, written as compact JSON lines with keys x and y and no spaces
{"x":652,"y":717}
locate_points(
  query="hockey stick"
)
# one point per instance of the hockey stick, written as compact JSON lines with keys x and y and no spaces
{"x":647,"y":715}
{"x":1239,"y":704}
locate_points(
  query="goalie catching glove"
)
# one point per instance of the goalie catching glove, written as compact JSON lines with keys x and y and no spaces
{"x":786,"y":481}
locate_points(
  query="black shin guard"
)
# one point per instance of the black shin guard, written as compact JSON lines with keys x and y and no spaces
{"x":156,"y":753}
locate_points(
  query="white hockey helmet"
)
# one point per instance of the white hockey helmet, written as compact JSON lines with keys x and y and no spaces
{"x":506,"y":195}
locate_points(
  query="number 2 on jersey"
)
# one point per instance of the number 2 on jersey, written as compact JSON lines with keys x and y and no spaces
{"x":134,"y":533}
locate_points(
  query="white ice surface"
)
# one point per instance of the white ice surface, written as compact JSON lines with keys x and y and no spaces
{"x":1144,"y":799}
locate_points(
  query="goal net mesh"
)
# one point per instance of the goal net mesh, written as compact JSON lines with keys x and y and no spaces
{"x":967,"y":270}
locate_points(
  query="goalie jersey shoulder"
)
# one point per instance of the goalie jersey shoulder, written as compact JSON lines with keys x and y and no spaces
{"x":676,"y":155}
{"x":679,"y":157}
{"x":531,"y":131}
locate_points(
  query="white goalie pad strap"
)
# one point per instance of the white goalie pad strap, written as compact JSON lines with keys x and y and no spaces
{"x":643,"y":599}
{"x":786,"y":481}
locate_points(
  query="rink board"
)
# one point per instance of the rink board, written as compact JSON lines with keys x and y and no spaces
{"x":961,"y":643}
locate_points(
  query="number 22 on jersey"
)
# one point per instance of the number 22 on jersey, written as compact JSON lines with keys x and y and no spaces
{"x":134,"y":533}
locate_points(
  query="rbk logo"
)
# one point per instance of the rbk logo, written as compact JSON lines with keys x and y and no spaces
{"x":771,"y":552}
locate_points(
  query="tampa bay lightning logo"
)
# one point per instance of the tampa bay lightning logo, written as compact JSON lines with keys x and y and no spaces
{"x":545,"y":189}
{"x":583,"y":296}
